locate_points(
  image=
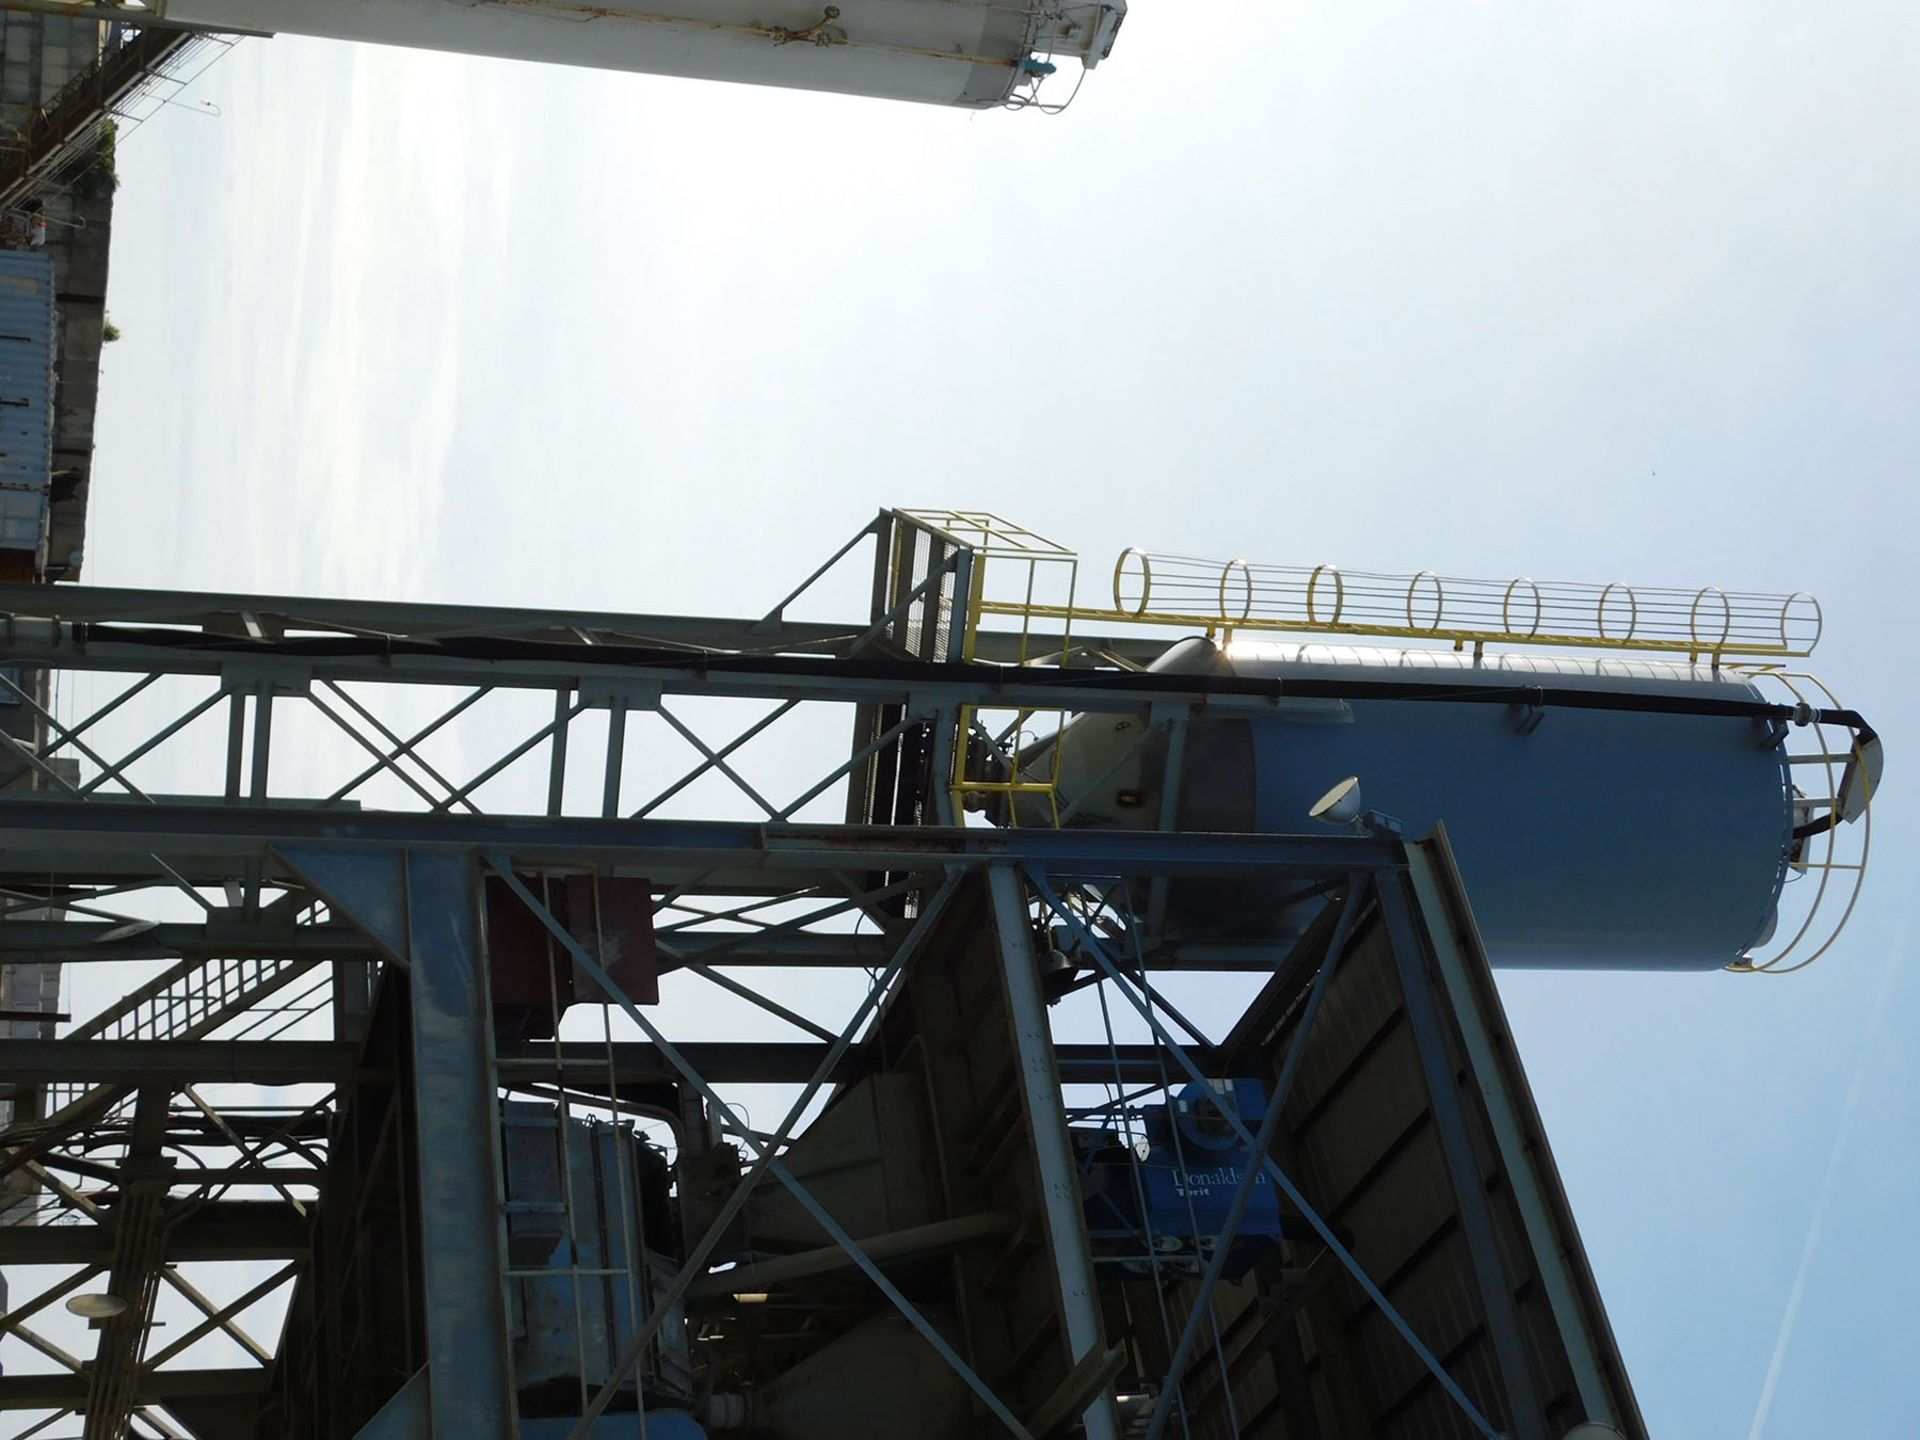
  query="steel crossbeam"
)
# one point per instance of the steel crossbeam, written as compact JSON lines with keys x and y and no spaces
{"x":206,"y":843}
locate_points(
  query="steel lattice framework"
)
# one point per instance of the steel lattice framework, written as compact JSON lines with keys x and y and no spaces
{"x":300,"y":827}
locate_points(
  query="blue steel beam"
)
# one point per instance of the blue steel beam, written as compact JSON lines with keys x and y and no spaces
{"x":511,"y":661}
{"x":505,"y":661}
{"x":49,"y":831}
{"x":462,"y":1253}
{"x":407,"y":1416}
{"x":462,"y":1250}
{"x":790,"y":1062}
{"x":76,"y":942}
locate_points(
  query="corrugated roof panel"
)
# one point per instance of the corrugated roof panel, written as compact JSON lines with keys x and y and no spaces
{"x":26,"y":397}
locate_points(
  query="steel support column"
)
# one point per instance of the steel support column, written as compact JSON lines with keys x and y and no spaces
{"x":462,"y":1250}
{"x":1053,"y":1147}
{"x":463,"y":1257}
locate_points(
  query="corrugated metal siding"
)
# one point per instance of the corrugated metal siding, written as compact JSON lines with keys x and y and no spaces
{"x":26,"y":399}
{"x":1360,"y":1139}
{"x":1363,"y":1141}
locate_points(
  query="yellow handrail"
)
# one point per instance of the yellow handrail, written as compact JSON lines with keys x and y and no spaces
{"x":1005,"y":547}
{"x":1216,"y":596}
{"x":1823,"y":854}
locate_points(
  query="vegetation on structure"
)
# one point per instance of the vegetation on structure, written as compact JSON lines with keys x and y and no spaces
{"x":99,"y":177}
{"x":109,"y":332}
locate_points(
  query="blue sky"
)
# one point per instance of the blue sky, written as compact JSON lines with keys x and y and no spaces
{"x":1582,"y":291}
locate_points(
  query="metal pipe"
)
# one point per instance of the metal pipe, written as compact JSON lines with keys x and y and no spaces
{"x":893,"y":1245}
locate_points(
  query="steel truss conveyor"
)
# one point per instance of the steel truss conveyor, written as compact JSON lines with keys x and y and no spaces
{"x":406,"y":931}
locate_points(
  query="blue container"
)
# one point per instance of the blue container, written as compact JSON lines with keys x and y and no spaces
{"x":1630,"y":831}
{"x":1176,"y":1198}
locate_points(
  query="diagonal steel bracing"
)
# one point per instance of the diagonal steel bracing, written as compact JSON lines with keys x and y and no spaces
{"x":695,"y":1264}
{"x":502,"y":865}
{"x":1357,"y":892}
{"x":1126,"y":990}
{"x":403,"y":886}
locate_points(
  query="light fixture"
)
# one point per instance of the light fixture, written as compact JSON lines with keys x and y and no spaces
{"x":1862,"y":776}
{"x":1344,"y":805}
{"x":1339,"y":806}
{"x":97,"y":1307}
